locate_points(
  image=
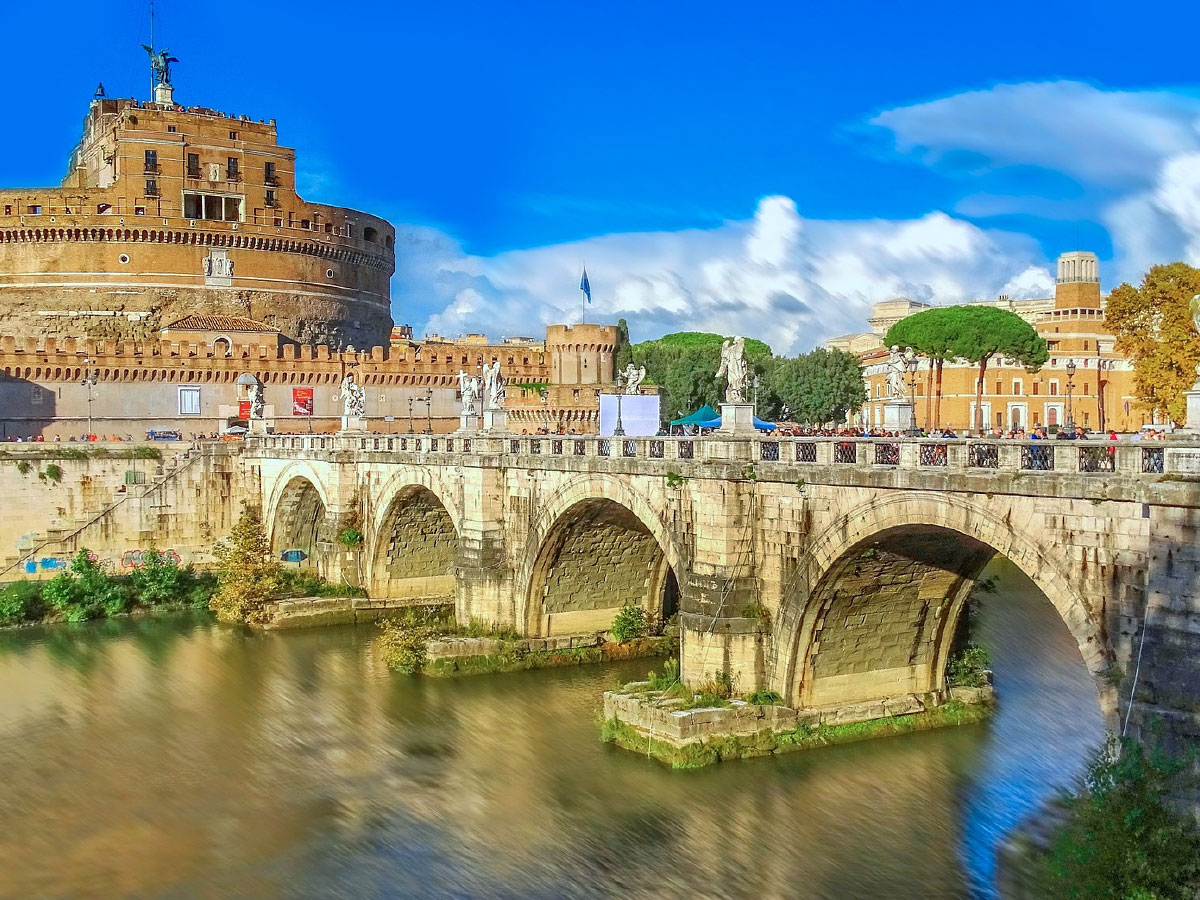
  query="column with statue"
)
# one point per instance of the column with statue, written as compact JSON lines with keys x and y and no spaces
{"x":737,"y":415}
{"x":354,"y":404}
{"x":495,"y":419}
{"x":469,"y":389}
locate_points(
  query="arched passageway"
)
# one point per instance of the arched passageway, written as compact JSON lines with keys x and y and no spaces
{"x":416,"y":549}
{"x":598,"y":557}
{"x":300,"y":524}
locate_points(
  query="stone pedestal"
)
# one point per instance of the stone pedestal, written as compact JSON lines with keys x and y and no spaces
{"x":261,"y":426}
{"x":495,"y":420}
{"x":468,"y":422}
{"x":354,"y":423}
{"x":1192,"y":422}
{"x":164,"y":94}
{"x":898,"y":415}
{"x":737,"y":418}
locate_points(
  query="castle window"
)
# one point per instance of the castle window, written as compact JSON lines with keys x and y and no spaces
{"x":8,"y":209}
{"x":269,"y":173}
{"x":151,"y":187}
{"x":139,"y":210}
{"x":34,"y":210}
{"x":271,"y":201}
{"x":170,"y":129}
{"x":189,"y":401}
{"x":193,"y":165}
{"x":151,"y":164}
{"x":349,"y":229}
{"x":370,"y":234}
{"x":233,"y":136}
{"x":231,"y":169}
{"x":103,"y":207}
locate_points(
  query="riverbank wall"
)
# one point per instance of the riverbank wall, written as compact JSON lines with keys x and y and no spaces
{"x":116,"y":502}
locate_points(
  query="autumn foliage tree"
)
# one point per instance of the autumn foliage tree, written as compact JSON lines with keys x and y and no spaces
{"x":249,"y":574}
{"x":1153,"y":326}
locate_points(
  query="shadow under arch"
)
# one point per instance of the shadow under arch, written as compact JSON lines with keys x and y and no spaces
{"x":299,"y":521}
{"x":595,"y":546}
{"x":898,"y":570}
{"x":415,"y":547}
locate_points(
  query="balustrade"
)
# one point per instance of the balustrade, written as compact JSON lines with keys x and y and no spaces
{"x":983,"y":456}
{"x":806,"y":452}
{"x":1098,"y":459}
{"x":845,"y":452}
{"x":887,"y":454}
{"x":934,"y":455}
{"x":656,"y":449}
{"x":629,"y":448}
{"x":1153,"y":459}
{"x":1037,"y":457}
{"x":769,"y":451}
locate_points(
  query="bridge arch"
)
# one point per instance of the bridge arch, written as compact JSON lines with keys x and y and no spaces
{"x":919,"y":553}
{"x":414,"y":540}
{"x":596,"y":544}
{"x":299,"y":519}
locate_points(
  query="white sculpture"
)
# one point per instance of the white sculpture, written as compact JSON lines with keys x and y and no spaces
{"x":257,"y":402}
{"x":468,"y":386}
{"x":895,"y":375}
{"x":493,"y":386}
{"x":634,"y":376}
{"x":354,"y":398}
{"x":1194,"y":309}
{"x":733,"y":367}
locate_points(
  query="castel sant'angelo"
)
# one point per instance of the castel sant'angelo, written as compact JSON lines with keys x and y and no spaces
{"x":177,"y":250}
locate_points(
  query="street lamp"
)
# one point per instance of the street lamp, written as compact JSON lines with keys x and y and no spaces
{"x":410,"y":403}
{"x":1070,"y":394}
{"x":89,"y":382}
{"x":619,"y":429}
{"x":911,"y":361}
{"x":428,"y":414}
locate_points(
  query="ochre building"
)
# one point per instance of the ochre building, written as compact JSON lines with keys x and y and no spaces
{"x":168,"y":211}
{"x":1099,"y":394}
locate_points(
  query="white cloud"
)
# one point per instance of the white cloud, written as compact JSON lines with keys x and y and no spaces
{"x":1133,"y":155}
{"x":789,"y":280}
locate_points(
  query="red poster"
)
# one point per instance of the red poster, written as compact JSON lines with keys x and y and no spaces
{"x":302,"y":401}
{"x":243,"y":409}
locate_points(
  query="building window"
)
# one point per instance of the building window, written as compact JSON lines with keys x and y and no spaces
{"x":1053,"y":387}
{"x":349,"y":229}
{"x":170,"y":129}
{"x":8,"y":209}
{"x":270,"y":201}
{"x":193,"y":165}
{"x":1051,"y":415}
{"x":139,"y":210}
{"x":213,"y":207}
{"x":151,"y":187}
{"x":999,"y":387}
{"x":233,"y":135}
{"x":34,"y":210}
{"x":1018,"y":387}
{"x":1086,"y":416}
{"x":269,"y":173}
{"x":151,"y":164}
{"x":189,"y":401}
{"x":232,"y":173}
{"x":1085,"y":346}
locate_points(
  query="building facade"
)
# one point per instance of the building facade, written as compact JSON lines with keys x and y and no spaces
{"x":167,"y":211}
{"x":197,"y":376}
{"x":1085,"y":381}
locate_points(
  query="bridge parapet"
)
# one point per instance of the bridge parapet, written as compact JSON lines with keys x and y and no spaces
{"x":1142,"y":460}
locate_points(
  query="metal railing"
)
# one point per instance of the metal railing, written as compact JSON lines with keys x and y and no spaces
{"x":887,"y":454}
{"x":1037,"y":457}
{"x":845,"y":452}
{"x":1153,"y":459}
{"x":934,"y":455}
{"x":657,"y":449}
{"x":983,"y":456}
{"x":769,"y":451}
{"x":1098,"y":459}
{"x":629,"y":448}
{"x":806,"y":452}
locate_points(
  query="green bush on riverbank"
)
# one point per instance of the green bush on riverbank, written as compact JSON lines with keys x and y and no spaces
{"x":85,"y":591}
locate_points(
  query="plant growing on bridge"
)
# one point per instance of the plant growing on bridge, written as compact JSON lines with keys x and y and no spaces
{"x":631,"y":622}
{"x":969,"y":667}
{"x":1122,"y":838}
{"x":403,"y":644}
{"x":24,"y":466}
{"x":52,"y":473}
{"x":675,"y":479}
{"x":248,"y":575}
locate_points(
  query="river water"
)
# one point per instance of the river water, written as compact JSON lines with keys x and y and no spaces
{"x":176,"y":758}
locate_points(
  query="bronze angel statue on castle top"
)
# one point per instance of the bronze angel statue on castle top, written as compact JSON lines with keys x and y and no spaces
{"x":160,"y":62}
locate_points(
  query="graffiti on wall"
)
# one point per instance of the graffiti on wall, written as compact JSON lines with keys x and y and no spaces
{"x":135,"y":559}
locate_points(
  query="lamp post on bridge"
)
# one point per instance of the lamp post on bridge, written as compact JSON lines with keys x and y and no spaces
{"x":1070,"y":397}
{"x":619,"y":428}
{"x":89,"y":381}
{"x":911,"y":362}
{"x":428,"y":413}
{"x":410,"y":419}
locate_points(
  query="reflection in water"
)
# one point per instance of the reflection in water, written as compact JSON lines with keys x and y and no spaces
{"x":176,"y":758}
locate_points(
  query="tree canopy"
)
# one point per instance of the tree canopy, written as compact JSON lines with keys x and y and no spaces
{"x":819,"y":386}
{"x":684,"y":365}
{"x":932,"y":334}
{"x":1153,"y":326}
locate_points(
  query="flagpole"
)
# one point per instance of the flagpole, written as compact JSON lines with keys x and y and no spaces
{"x":583,"y":321}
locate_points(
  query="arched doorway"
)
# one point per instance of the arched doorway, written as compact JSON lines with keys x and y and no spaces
{"x":416,"y":549}
{"x":596,"y":558}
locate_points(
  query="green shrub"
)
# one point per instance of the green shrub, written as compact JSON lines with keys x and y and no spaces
{"x":631,"y":622}
{"x":764,"y":698}
{"x":157,"y":580}
{"x":969,"y":667}
{"x":249,"y":574}
{"x":52,"y":473}
{"x":667,"y":679}
{"x":307,"y":583}
{"x":144,"y":451}
{"x":719,"y":685}
{"x":1121,"y":838}
{"x":24,"y":466}
{"x":403,"y":645}
{"x":20,"y":601}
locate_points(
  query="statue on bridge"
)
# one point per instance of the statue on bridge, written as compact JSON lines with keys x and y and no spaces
{"x":258,"y":404}
{"x":354,"y":398}
{"x":493,"y":386}
{"x":733,"y":367}
{"x":895,"y":375}
{"x":468,"y":386}
{"x":634,"y":376}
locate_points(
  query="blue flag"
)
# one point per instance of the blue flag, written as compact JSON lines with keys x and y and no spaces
{"x":586,"y":286}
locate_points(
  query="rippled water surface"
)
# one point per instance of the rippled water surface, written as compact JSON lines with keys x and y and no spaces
{"x":174,"y":758}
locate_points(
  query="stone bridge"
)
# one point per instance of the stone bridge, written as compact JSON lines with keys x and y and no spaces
{"x":832,"y":571}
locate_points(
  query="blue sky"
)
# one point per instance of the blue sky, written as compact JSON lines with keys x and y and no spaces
{"x":772,"y":168}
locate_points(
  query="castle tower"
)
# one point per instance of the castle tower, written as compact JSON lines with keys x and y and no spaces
{"x":1078,"y":284}
{"x":581,"y":354}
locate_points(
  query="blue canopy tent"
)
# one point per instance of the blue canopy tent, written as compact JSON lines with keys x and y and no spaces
{"x":758,"y":423}
{"x":703,"y":414}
